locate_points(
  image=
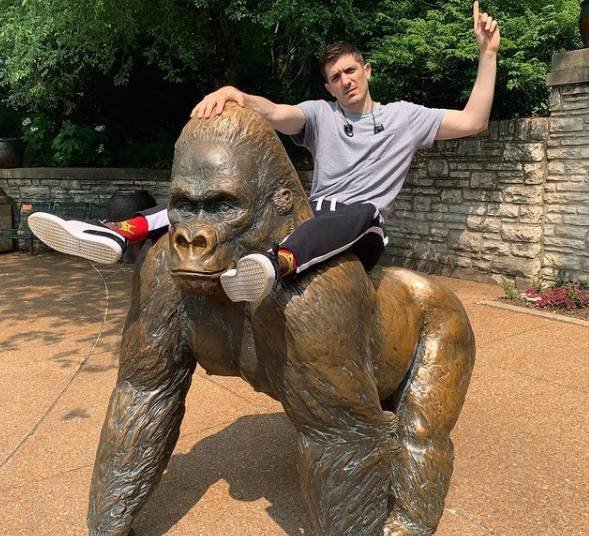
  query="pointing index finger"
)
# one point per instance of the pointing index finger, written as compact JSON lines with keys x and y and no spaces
{"x":475,"y":14}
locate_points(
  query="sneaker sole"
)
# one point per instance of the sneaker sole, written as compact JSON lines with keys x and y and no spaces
{"x":54,"y":232}
{"x":251,"y":280}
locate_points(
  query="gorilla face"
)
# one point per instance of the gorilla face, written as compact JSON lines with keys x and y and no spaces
{"x":211,"y":207}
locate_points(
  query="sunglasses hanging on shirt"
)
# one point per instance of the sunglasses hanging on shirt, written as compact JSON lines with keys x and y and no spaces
{"x":349,"y":128}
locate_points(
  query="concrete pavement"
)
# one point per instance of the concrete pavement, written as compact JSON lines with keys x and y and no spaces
{"x":521,"y":442}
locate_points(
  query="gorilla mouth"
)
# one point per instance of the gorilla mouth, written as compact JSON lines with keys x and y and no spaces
{"x":199,"y":275}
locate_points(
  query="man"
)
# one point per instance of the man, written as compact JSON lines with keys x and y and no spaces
{"x":361,"y":149}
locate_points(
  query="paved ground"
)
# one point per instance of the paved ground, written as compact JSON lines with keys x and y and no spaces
{"x":521,"y":443}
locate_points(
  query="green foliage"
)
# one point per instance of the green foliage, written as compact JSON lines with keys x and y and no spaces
{"x":512,"y":292}
{"x":427,"y":52}
{"x":66,"y":144}
{"x":139,"y":67}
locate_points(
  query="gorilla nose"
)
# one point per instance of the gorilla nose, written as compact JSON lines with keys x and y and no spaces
{"x":193,"y":243}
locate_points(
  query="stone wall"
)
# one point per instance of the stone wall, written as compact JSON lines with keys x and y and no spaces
{"x":82,"y":184}
{"x":474,"y":207}
{"x":510,"y":205}
{"x":566,"y":231}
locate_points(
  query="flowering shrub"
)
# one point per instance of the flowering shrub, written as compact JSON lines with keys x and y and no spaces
{"x":64,"y":144}
{"x":568,"y":296}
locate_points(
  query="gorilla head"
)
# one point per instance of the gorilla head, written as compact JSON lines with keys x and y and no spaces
{"x":233,"y":191}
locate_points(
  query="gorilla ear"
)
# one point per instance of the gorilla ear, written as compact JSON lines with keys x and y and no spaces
{"x":282,"y":200}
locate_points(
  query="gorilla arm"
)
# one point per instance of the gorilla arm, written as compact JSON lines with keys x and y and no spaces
{"x":147,"y":405}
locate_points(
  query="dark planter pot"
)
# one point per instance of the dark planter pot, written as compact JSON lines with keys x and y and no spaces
{"x":11,"y":152}
{"x":584,"y":22}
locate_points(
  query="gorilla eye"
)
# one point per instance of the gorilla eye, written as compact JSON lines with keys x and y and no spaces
{"x":183,"y":205}
{"x":221,"y":206}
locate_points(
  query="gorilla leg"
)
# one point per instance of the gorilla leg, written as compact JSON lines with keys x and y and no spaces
{"x":346,"y":442}
{"x":147,"y":405}
{"x":427,"y":406}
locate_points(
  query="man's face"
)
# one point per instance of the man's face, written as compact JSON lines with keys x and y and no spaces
{"x":347,"y":82}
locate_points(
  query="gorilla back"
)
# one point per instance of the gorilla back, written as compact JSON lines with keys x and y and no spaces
{"x":371,"y":370}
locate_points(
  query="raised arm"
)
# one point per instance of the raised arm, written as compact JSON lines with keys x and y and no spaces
{"x":283,"y":117}
{"x":475,"y":116}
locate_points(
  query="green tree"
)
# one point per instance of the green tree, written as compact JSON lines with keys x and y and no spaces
{"x":427,"y":52}
{"x":138,"y":67}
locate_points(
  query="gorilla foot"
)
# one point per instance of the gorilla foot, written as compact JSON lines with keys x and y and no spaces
{"x":397,"y":525}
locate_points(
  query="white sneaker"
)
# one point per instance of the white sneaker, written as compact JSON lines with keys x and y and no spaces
{"x":92,"y":242}
{"x":251,"y":280}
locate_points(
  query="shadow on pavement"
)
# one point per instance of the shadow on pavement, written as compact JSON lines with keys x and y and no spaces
{"x":44,"y":297}
{"x":255,"y":455}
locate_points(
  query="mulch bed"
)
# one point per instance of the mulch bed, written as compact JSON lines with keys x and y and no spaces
{"x":581,"y":313}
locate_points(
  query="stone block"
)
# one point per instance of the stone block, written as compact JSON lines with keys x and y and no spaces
{"x":483,"y":196}
{"x":577,"y":233}
{"x":507,"y":177}
{"x":530,"y":195}
{"x":524,"y":152}
{"x":575,"y":103}
{"x":423,"y":182}
{"x":535,"y":173}
{"x":506,"y":129}
{"x":566,"y":198}
{"x":565,"y":153}
{"x":564,"y":243}
{"x":422,"y":203}
{"x":555,"y":102}
{"x":531,"y":214}
{"x":412,"y":227}
{"x":437,"y":167}
{"x":454,"y":183}
{"x":516,"y":267}
{"x":522,"y":127}
{"x":464,"y":208}
{"x":402,"y":204}
{"x":502,"y":209}
{"x":570,"y":67}
{"x":553,"y":218}
{"x":555,"y":260}
{"x":574,"y":186}
{"x":469,"y":147}
{"x":493,"y":130}
{"x":521,"y":232}
{"x":539,"y":128}
{"x":580,"y":219}
{"x":504,"y":166}
{"x":576,"y":167}
{"x":560,"y":209}
{"x":439,"y":207}
{"x":483,"y":224}
{"x":481,"y":265}
{"x":451,"y":196}
{"x":495,"y":247}
{"x":460,"y":174}
{"x":567,"y":124}
{"x":465,"y":241}
{"x":483,"y":179}
{"x":556,"y":167}
{"x":528,"y":251}
{"x":447,"y":218}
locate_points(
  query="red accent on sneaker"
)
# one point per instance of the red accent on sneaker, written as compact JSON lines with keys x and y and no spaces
{"x":134,"y":229}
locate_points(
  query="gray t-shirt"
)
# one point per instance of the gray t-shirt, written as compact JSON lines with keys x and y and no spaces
{"x":366,"y":167}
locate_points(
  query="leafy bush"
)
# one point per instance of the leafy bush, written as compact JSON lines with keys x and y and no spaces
{"x":569,"y":296}
{"x":139,"y":67}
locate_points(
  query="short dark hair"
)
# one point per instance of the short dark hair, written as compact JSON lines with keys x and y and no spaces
{"x":336,"y":50}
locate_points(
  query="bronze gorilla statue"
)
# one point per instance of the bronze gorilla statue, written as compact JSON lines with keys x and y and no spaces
{"x":372,"y":370}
